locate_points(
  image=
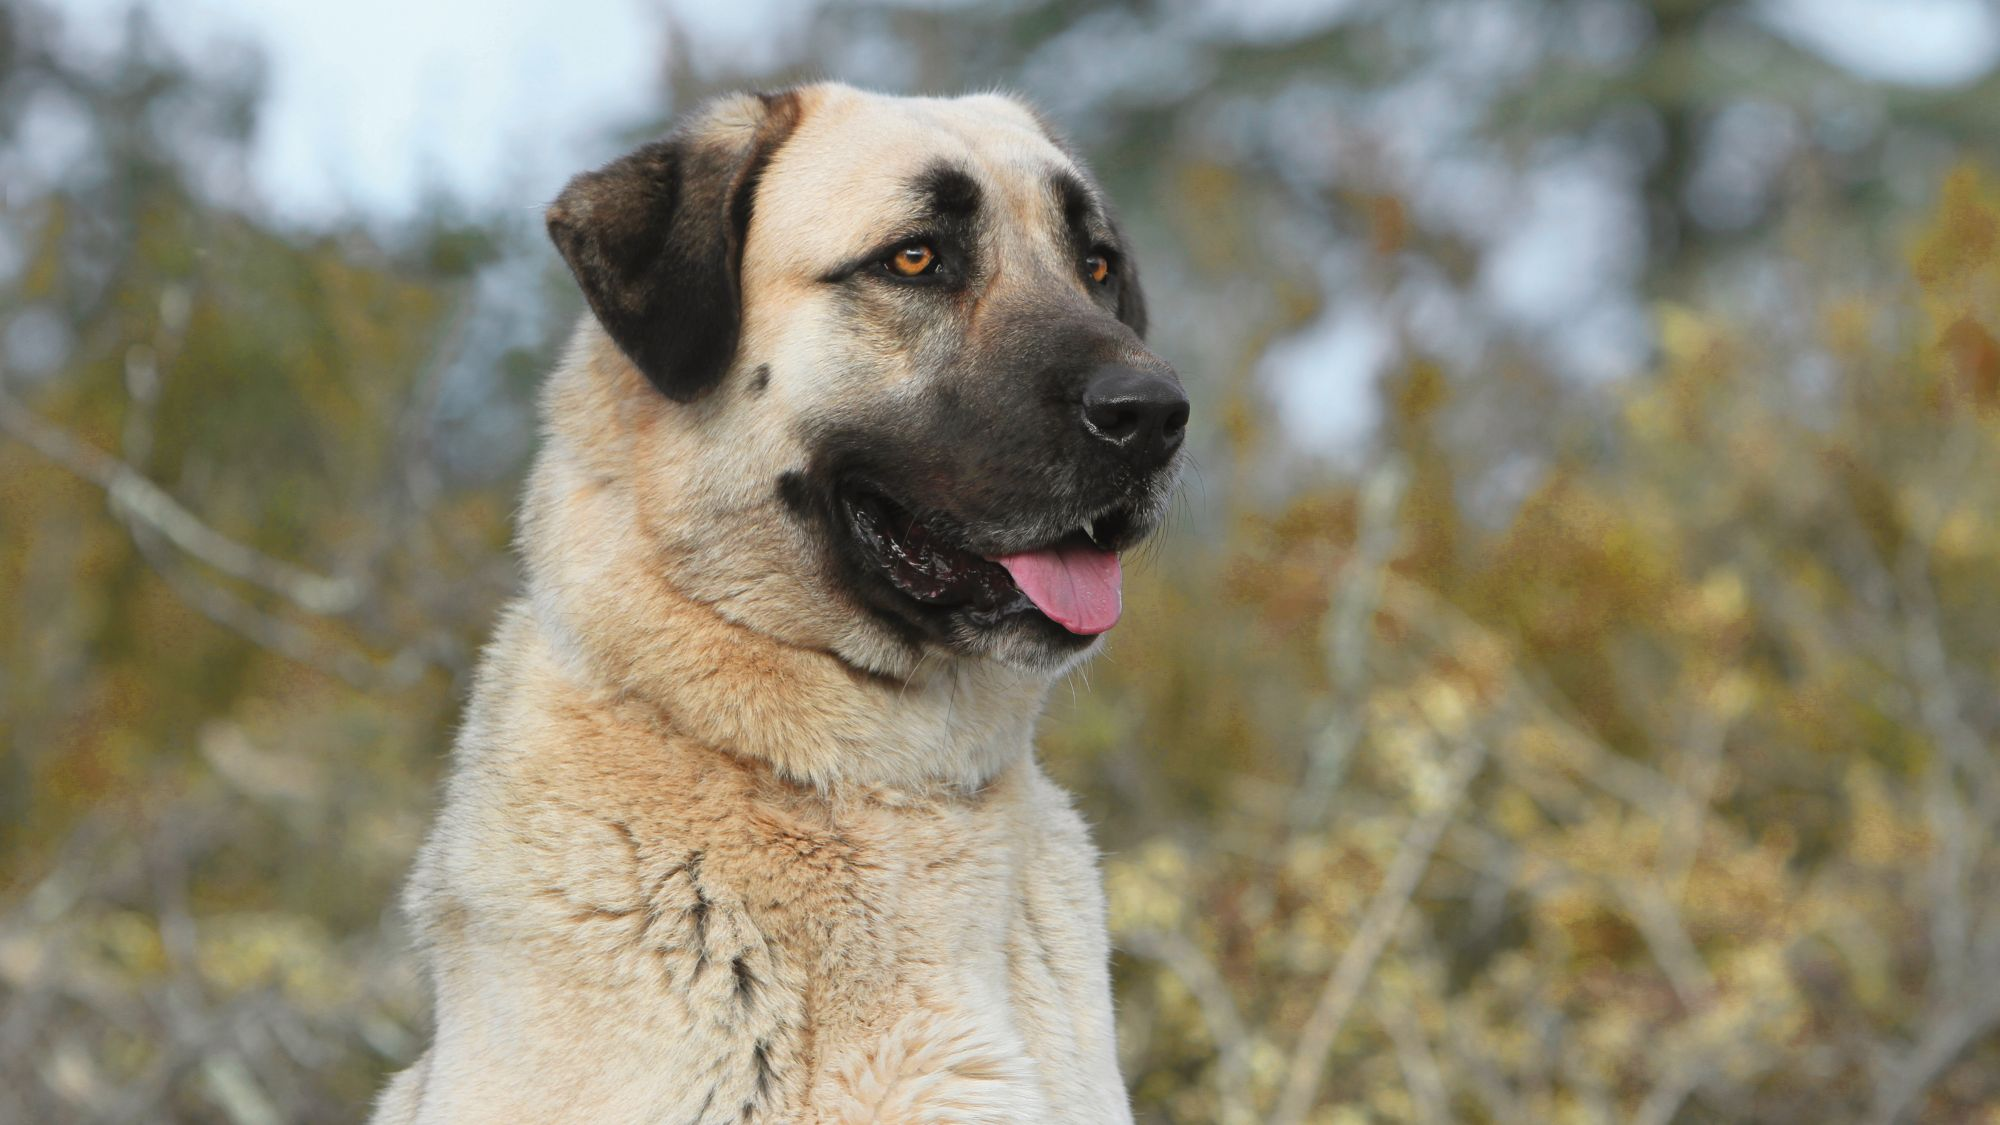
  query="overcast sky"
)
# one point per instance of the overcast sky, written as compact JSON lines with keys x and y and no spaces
{"x":374,"y":102}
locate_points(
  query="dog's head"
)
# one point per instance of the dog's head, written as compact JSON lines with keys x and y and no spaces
{"x":895,"y":394}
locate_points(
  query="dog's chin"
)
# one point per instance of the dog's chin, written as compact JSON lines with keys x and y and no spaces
{"x":1030,"y":642}
{"x":938,"y":580}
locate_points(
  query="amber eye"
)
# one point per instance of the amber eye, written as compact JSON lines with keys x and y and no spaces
{"x":913,"y":260}
{"x":1098,"y":267}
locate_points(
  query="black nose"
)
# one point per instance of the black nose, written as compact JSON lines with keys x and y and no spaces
{"x":1143,"y":414}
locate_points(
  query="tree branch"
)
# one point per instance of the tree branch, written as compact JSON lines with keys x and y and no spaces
{"x":1218,"y":1012}
{"x":132,"y":495}
{"x":1350,"y":974}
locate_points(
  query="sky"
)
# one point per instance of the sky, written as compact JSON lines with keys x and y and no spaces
{"x":372,"y":105}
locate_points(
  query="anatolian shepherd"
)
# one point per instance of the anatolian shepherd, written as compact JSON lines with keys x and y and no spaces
{"x":744,"y":823}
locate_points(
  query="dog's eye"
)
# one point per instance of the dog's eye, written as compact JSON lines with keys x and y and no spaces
{"x":913,"y":259}
{"x":1098,"y":267}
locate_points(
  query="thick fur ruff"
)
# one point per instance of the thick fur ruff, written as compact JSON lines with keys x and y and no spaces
{"x":716,"y":846}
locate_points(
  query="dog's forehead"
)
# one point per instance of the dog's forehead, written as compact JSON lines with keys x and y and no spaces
{"x":847,"y":171}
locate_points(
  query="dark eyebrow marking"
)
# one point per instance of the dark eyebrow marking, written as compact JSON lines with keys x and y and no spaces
{"x":947,"y":211}
{"x":1075,"y":198}
{"x":946,"y":208}
{"x":1083,"y":221}
{"x":947,"y":192}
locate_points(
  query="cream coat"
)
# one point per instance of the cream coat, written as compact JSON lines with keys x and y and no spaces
{"x":694,"y":863}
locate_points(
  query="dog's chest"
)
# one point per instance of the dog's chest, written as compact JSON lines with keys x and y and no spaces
{"x":881,"y":904}
{"x":706,"y":937}
{"x":821,"y":933}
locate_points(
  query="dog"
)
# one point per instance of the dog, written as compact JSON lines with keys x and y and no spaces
{"x":743,"y":822}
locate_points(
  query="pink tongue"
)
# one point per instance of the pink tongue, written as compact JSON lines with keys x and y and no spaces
{"x":1076,"y":585}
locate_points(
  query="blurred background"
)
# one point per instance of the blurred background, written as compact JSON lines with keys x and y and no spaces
{"x":1569,"y":692}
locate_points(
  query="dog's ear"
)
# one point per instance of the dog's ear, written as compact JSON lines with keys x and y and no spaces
{"x":655,"y":239}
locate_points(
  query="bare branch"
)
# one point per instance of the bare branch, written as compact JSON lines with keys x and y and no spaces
{"x":1421,"y":1075}
{"x":140,"y":499}
{"x":1684,"y":824}
{"x":1960,"y":827}
{"x":1667,"y":1096}
{"x":1358,"y":592}
{"x":1218,"y":1012}
{"x":1673,"y":950}
{"x":1378,"y":925}
{"x":1945,"y":1037}
{"x":1449,"y":626}
{"x":283,"y":637}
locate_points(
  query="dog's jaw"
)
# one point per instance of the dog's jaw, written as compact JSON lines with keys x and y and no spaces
{"x":773,"y":678}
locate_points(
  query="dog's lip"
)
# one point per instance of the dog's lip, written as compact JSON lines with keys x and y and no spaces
{"x":1116,"y":526}
{"x":935,"y":562}
{"x":923,"y":556}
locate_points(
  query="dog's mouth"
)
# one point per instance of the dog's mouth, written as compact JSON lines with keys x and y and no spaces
{"x":1074,"y":580}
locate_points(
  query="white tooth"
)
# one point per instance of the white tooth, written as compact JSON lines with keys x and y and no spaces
{"x":1090,"y":529}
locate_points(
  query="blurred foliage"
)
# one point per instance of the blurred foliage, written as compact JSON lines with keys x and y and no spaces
{"x":1569,"y":752}
{"x":1727,"y":680}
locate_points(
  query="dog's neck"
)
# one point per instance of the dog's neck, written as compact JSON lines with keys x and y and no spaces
{"x":809,"y":715}
{"x":603,"y":595}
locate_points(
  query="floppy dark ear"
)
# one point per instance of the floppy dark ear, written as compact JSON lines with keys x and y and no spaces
{"x":655,"y":239}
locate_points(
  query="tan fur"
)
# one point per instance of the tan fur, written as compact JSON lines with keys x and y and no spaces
{"x":713,"y":849}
